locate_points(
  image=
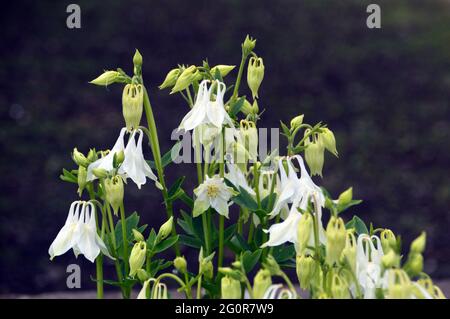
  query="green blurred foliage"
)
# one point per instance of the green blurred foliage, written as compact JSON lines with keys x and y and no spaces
{"x":385,"y":93}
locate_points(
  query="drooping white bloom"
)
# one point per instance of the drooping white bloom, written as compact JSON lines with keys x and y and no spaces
{"x":106,"y":162}
{"x":237,"y":178}
{"x":212,"y":193}
{"x":79,"y":233}
{"x":134,"y":165}
{"x":368,"y":264}
{"x":206,"y":111}
{"x":293,"y":189}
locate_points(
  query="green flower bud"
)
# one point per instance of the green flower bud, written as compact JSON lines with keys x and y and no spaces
{"x":165,"y":229}
{"x":107,"y":78}
{"x":418,"y":245}
{"x":336,"y":237}
{"x":248,"y":108}
{"x":79,"y":158}
{"x":137,"y":235}
{"x":346,"y":197}
{"x":272,"y":265}
{"x":261,"y":283}
{"x":114,"y":192}
{"x":236,"y":264}
{"x":255,"y":75}
{"x":137,"y":59}
{"x":137,"y":257}
{"x":118,"y":159}
{"x":81,"y":178}
{"x":180,"y":264}
{"x":297,"y":121}
{"x":390,"y":260}
{"x":142,"y":275}
{"x":328,"y":141}
{"x":349,"y":253}
{"x":223,"y":69}
{"x":314,"y":155}
{"x":248,"y":45}
{"x":304,"y":232}
{"x":307,"y":269}
{"x":207,"y":269}
{"x":414,"y":266}
{"x":171,"y":79}
{"x":100,"y":172}
{"x":185,"y":79}
{"x":388,"y":241}
{"x":132,"y":105}
{"x":399,"y":285}
{"x":240,"y":155}
{"x":339,"y":287}
{"x":231,"y":288}
{"x":92,"y":155}
{"x":249,"y":138}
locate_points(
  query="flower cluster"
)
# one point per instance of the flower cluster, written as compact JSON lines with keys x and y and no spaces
{"x":248,"y":213}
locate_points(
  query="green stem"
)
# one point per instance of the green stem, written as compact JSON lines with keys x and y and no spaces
{"x":221,"y":218}
{"x":251,"y":230}
{"x":99,"y":271}
{"x":239,"y":77}
{"x":206,"y":232}
{"x":199,"y":288}
{"x":124,"y":237}
{"x":316,"y":230}
{"x":288,"y":282}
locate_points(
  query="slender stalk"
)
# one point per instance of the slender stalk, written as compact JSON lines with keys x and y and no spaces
{"x":199,"y":288}
{"x":239,"y":77}
{"x":221,"y":218}
{"x":124,"y":237}
{"x":99,"y":271}
{"x":251,"y":230}
{"x":206,"y":232}
{"x":316,"y":230}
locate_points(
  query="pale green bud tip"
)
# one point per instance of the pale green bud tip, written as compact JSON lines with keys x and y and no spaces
{"x":119,"y":157}
{"x":114,"y":191}
{"x":346,"y":197}
{"x":142,"y":275}
{"x":255,"y":75}
{"x":390,"y":260}
{"x":223,"y":69}
{"x":108,"y":77}
{"x":171,"y":79}
{"x":185,"y":79}
{"x":92,"y":155}
{"x":231,"y":288}
{"x":248,"y":45}
{"x":208,"y":270}
{"x":314,"y":155}
{"x":137,"y":257}
{"x":418,"y":245}
{"x":180,"y":264}
{"x":388,"y":240}
{"x":81,"y":179}
{"x":100,"y":172}
{"x":137,"y":58}
{"x":137,"y":235}
{"x":79,"y":158}
{"x":297,"y":121}
{"x":166,"y":228}
{"x":329,"y":141}
{"x":262,"y":282}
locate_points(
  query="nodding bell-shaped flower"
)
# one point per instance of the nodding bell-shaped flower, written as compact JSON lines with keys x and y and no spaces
{"x":339,"y":287}
{"x":132,"y":105}
{"x":230,"y":288}
{"x":165,"y":229}
{"x":255,"y":74}
{"x":171,"y":78}
{"x":212,"y":193}
{"x":79,"y":233}
{"x":307,"y":269}
{"x":134,"y":165}
{"x":248,"y":137}
{"x":137,"y":257}
{"x":114,"y":192}
{"x":180,"y":264}
{"x":349,"y":253}
{"x":304,"y":231}
{"x":397,"y":284}
{"x":206,"y":111}
{"x":388,"y":241}
{"x":368,"y":264}
{"x":328,"y":141}
{"x":336,"y":236}
{"x":261,"y":282}
{"x":237,"y":178}
{"x":314,"y":155}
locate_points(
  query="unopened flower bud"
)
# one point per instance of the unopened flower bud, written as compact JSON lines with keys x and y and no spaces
{"x":137,"y":59}
{"x":297,"y":121}
{"x":255,"y":75}
{"x":346,"y":197}
{"x":180,"y":264}
{"x":137,"y":257}
{"x":132,"y":105}
{"x":207,"y":269}
{"x":79,"y":158}
{"x":246,"y":107}
{"x":231,"y":288}
{"x":107,"y":78}
{"x":414,"y":265}
{"x":92,"y":155}
{"x":165,"y":229}
{"x":249,"y":138}
{"x":171,"y":79}
{"x":398,"y":285}
{"x":185,"y":79}
{"x":142,"y":275}
{"x":100,"y":172}
{"x":418,"y":245}
{"x":306,"y":268}
{"x":314,"y":155}
{"x":240,"y":155}
{"x":388,"y":241}
{"x":114,"y":191}
{"x":223,"y":69}
{"x":248,"y":45}
{"x":137,"y":235}
{"x":272,"y":265}
{"x":118,"y":158}
{"x":390,"y":260}
{"x":261,"y":283}
{"x":328,"y":141}
{"x":348,"y":255}
{"x":304,"y":232}
{"x":336,"y":237}
{"x":81,"y":178}
{"x":339,"y":287}
{"x":236,"y":264}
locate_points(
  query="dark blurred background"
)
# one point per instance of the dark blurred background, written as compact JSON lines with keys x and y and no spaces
{"x":384,"y":92}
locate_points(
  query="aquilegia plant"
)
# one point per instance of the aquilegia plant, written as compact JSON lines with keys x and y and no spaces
{"x":276,"y":216}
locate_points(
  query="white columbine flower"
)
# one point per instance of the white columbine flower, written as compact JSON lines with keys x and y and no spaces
{"x":79,"y":233}
{"x":134,"y":166}
{"x":237,"y":178}
{"x":206,"y":111}
{"x":368,"y":264}
{"x":212,"y":193}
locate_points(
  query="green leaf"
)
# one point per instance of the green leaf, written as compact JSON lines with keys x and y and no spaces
{"x":269,"y":199}
{"x":131,"y":222}
{"x":237,"y":106}
{"x":217,"y":75}
{"x":285,"y":129}
{"x":176,"y":186}
{"x":68,"y":177}
{"x":165,"y":244}
{"x":283,"y":253}
{"x":358,"y":225}
{"x":237,"y":244}
{"x":341,"y":208}
{"x":250,"y":259}
{"x":245,"y":199}
{"x":190,"y":241}
{"x":187,"y":200}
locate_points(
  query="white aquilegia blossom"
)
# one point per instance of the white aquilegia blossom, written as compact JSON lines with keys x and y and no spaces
{"x":206,"y":111}
{"x":368,"y":264}
{"x":237,"y":178}
{"x":212,"y":193}
{"x":79,"y":233}
{"x":134,"y":165}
